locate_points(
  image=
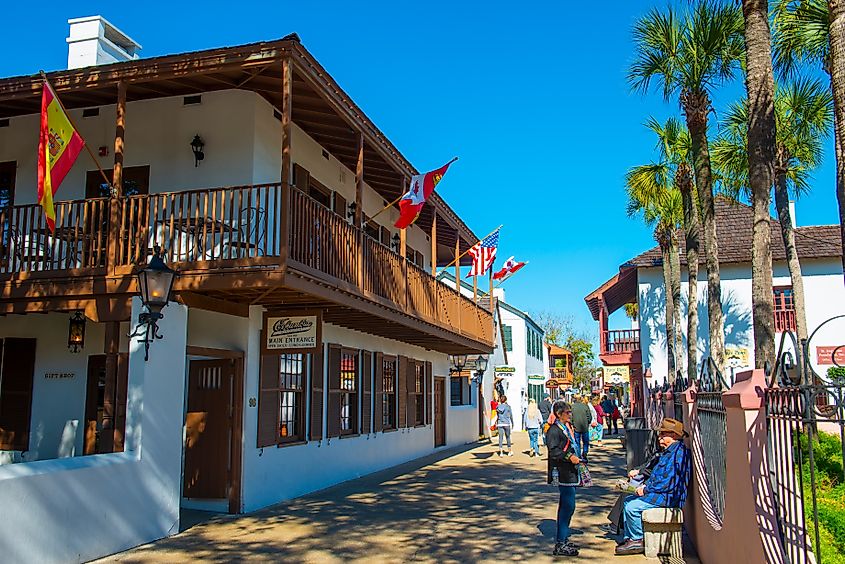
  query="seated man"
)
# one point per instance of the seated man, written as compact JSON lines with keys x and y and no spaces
{"x":666,"y":487}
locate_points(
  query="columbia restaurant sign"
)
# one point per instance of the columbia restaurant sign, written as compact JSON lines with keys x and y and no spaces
{"x":300,"y":331}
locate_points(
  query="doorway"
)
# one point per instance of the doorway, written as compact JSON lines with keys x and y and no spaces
{"x":213,"y":432}
{"x":439,"y":411}
{"x":105,"y":403}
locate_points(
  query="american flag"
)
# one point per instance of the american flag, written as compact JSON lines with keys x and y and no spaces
{"x":483,"y":254}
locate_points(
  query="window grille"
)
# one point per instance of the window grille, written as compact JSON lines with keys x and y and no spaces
{"x":291,"y":398}
{"x":348,"y":392}
{"x":388,"y":393}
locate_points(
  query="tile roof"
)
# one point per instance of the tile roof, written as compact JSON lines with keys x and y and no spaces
{"x":733,"y":229}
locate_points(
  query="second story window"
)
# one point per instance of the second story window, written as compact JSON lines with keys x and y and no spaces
{"x":784,"y":309}
{"x":507,"y":338}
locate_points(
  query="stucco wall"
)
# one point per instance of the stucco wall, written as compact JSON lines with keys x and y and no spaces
{"x":77,"y":509}
{"x":825,"y":298}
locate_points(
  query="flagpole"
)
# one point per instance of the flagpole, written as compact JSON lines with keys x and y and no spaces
{"x":402,"y":195}
{"x":73,"y":125}
{"x":477,"y":242}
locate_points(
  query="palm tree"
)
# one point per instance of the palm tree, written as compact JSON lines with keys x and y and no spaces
{"x":760,"y":87}
{"x":688,"y":57}
{"x":813,"y":31}
{"x":804,"y":115}
{"x":652,"y":190}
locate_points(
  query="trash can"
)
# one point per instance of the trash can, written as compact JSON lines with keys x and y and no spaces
{"x":640,"y":441}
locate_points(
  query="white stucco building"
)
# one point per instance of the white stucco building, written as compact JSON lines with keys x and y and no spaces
{"x":640,"y":280}
{"x":304,"y":345}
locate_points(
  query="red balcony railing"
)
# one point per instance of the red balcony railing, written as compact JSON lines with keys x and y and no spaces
{"x":620,"y":341}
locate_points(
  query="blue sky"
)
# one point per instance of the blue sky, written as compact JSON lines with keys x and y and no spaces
{"x":531,"y":96}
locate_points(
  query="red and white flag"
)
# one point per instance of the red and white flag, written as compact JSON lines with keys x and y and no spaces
{"x":483,"y":254}
{"x":422,"y":186}
{"x":510,"y":267}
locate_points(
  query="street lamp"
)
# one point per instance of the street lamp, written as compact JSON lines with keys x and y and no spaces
{"x":155,"y":282}
{"x":481,"y":362}
{"x":458,"y":362}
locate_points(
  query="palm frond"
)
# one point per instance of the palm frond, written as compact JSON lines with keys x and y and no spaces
{"x":800,"y":32}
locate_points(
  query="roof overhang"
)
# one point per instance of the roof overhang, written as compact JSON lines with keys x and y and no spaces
{"x":615,"y":293}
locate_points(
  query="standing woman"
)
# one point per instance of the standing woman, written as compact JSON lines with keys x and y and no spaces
{"x":533,"y":423}
{"x":597,"y":431}
{"x":560,"y":441}
{"x":504,"y":421}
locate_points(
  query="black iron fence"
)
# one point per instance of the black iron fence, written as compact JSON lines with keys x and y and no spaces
{"x":805,"y":415}
{"x":678,"y":388}
{"x":712,"y":430}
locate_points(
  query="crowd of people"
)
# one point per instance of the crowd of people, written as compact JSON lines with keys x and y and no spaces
{"x":567,"y":430}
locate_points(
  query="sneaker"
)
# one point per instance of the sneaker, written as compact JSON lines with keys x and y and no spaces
{"x":531,"y":454}
{"x":563,"y":549}
{"x":500,"y":453}
{"x":510,"y":453}
{"x":630,"y":547}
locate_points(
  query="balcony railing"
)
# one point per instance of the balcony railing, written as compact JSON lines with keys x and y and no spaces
{"x":242,"y":226}
{"x":620,"y":341}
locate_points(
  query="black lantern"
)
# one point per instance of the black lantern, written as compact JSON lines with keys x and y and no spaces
{"x":350,"y":209}
{"x":481,"y":364}
{"x":197,"y":146}
{"x":155,"y":282}
{"x":458,"y":362}
{"x":395,"y":242}
{"x":76,"y":332}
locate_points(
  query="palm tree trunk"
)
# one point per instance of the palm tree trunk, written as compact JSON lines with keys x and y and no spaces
{"x":696,"y":107}
{"x":675,"y":285}
{"x":788,"y":234}
{"x":670,"y":309}
{"x":691,"y":232}
{"x":836,"y":11}
{"x":761,"y":156}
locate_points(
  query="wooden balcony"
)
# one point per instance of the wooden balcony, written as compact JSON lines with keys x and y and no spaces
{"x":260,"y":244}
{"x":621,"y":346}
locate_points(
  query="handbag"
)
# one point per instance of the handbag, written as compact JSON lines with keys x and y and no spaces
{"x":585,"y":480}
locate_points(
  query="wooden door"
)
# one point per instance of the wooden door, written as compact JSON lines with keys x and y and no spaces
{"x":105,"y":403}
{"x":439,"y":411}
{"x":208,"y":429}
{"x":7,"y":200}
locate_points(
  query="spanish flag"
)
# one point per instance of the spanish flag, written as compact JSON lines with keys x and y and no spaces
{"x":58,"y":146}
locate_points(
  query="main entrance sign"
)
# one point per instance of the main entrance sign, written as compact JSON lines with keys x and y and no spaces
{"x":299,"y":331}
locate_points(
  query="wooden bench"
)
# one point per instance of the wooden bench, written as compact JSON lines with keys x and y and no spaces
{"x":662,"y":532}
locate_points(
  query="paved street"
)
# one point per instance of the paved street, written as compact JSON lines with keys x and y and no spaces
{"x":461,"y":506}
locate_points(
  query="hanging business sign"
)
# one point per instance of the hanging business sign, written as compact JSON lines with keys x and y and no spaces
{"x":552,"y":383}
{"x":736,"y":357}
{"x":617,"y":374}
{"x":539,"y":377}
{"x":830,"y":356}
{"x":504,"y":371}
{"x":299,"y":331}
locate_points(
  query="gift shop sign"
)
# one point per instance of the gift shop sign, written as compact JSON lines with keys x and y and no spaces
{"x":300,"y":332}
{"x":831,"y":355}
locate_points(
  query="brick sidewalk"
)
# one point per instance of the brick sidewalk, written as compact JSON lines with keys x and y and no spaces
{"x":461,"y":506}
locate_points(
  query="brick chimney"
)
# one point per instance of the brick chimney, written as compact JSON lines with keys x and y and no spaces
{"x":95,"y":41}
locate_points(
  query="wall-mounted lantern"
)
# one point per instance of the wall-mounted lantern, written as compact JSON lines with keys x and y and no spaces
{"x":457,"y":362}
{"x":350,"y":209}
{"x":76,"y":332}
{"x":197,"y":146}
{"x":155,"y":282}
{"x":395,"y":243}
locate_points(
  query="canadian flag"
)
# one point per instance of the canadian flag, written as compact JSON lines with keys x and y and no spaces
{"x":510,"y":267}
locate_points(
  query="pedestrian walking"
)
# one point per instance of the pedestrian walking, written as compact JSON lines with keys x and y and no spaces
{"x":597,"y":431}
{"x":545,"y":408}
{"x":563,"y":472}
{"x":504,"y":421}
{"x":533,"y":422}
{"x":581,"y":419}
{"x":610,"y":408}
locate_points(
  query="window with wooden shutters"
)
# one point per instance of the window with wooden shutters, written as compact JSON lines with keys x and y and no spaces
{"x":371,"y":228}
{"x":419,"y":393}
{"x":333,"y":395}
{"x":385,"y":236}
{"x":281,"y":402}
{"x":378,"y":392}
{"x":506,"y":338}
{"x":429,"y":392}
{"x":411,"y":376}
{"x":315,"y":427}
{"x":301,"y":177}
{"x":784,"y":309}
{"x":16,"y":392}
{"x":388,"y":392}
{"x":349,"y":392}
{"x":366,"y":387}
{"x":402,"y":391}
{"x":339,"y":205}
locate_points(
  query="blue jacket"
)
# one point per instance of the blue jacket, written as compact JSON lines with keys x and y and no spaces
{"x":667,"y":485}
{"x":504,"y":415}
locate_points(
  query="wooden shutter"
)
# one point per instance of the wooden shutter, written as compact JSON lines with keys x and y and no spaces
{"x":411,"y":375}
{"x":428,"y":392}
{"x":315,"y":431}
{"x":301,"y":177}
{"x":366,"y":386}
{"x":339,"y":205}
{"x":507,"y":338}
{"x":268,"y":401}
{"x":402,"y":391}
{"x":333,"y":411}
{"x":385,"y":236}
{"x":378,"y":392}
{"x":121,"y":391}
{"x":16,"y":393}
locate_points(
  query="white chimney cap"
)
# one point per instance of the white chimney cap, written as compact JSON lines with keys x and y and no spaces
{"x":93,"y":40}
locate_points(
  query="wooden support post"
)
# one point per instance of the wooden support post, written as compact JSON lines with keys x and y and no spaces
{"x":457,"y":262}
{"x":113,"y":247}
{"x":111,"y":348}
{"x":359,"y":182}
{"x":434,"y":243}
{"x":403,"y":251}
{"x":475,"y":289}
{"x":287,"y":99}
